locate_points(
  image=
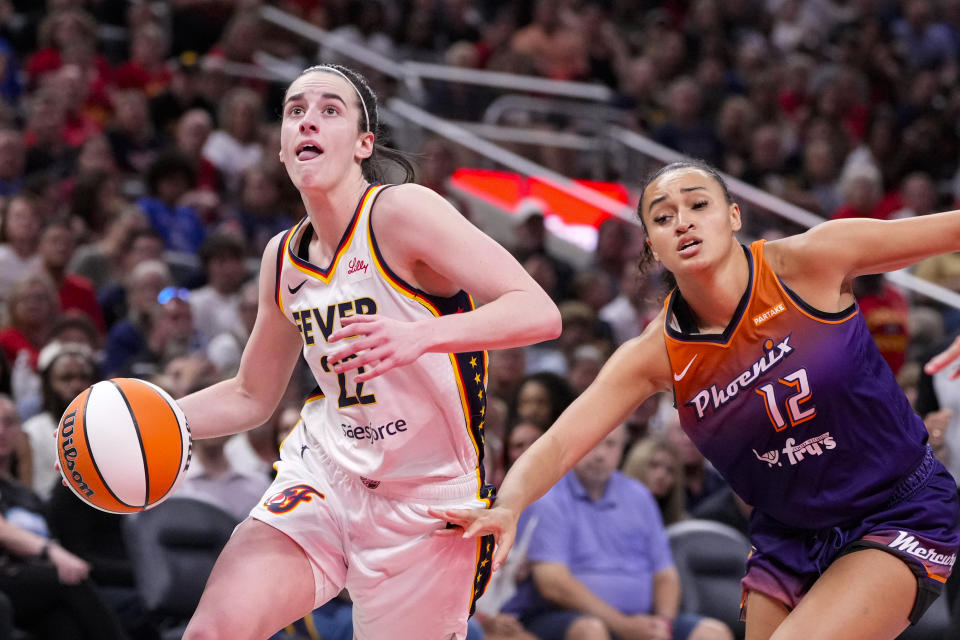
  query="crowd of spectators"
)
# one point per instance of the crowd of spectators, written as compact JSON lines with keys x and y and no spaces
{"x":139,"y":183}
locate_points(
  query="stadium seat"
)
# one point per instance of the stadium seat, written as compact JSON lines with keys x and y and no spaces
{"x":934,"y":625}
{"x":711,"y":559}
{"x":173,"y":548}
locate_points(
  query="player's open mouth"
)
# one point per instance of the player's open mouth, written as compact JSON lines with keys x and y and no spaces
{"x":688,"y":245}
{"x":308,"y":151}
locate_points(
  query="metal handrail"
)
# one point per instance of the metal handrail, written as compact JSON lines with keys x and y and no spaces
{"x":530,"y":136}
{"x":506,"y":158}
{"x":747,"y":192}
{"x":777,"y":206}
{"x":511,"y":81}
{"x":588,"y":111}
{"x":413,"y":73}
{"x":335,"y":41}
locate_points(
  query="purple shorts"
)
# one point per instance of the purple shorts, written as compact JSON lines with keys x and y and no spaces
{"x":918,"y":525}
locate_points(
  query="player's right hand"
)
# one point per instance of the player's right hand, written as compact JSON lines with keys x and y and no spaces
{"x":471,"y":523}
{"x":945,"y":358}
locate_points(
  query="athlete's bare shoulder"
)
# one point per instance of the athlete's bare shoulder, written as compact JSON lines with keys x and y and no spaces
{"x":410,"y":203}
{"x":414,"y":215}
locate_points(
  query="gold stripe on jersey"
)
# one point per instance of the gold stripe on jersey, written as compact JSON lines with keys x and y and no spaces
{"x":474,"y":431}
{"x":284,"y":247}
{"x":325,"y":275}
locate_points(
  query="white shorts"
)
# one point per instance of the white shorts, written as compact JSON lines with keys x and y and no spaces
{"x":377,"y":540}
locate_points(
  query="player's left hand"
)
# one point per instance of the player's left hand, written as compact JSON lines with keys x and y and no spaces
{"x":943,"y":359}
{"x":472,"y":523}
{"x":377,"y":344}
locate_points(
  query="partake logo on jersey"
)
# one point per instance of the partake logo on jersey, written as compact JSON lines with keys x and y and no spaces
{"x":796,"y":453}
{"x":772,"y":312}
{"x":715,"y":397}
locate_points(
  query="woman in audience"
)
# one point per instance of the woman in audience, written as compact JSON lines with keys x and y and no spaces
{"x":20,"y":226}
{"x":66,"y":369}
{"x":541,"y":398}
{"x":655,"y":463}
{"x":48,"y":586}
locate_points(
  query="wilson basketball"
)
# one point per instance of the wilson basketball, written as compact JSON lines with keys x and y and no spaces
{"x":123,"y":445}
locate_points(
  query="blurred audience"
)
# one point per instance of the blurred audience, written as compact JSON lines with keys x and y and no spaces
{"x":49,"y":587}
{"x":657,"y":465}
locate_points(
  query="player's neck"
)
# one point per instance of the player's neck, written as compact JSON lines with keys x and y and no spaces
{"x":330,"y":211}
{"x":714,"y":294}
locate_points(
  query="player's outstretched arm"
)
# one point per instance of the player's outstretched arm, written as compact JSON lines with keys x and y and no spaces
{"x":248,"y":399}
{"x":638,"y":369}
{"x":845,"y":249}
{"x":425,"y":240}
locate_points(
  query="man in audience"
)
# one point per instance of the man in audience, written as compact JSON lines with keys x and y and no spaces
{"x":601,"y":562}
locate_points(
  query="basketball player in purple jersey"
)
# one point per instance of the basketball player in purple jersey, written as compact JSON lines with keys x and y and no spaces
{"x":779,"y":383}
{"x":371,"y":288}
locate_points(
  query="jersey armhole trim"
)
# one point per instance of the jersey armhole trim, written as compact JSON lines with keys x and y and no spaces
{"x":280,"y":250}
{"x":437,"y":305}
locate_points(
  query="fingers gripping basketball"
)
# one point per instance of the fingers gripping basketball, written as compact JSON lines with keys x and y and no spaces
{"x":123,"y":445}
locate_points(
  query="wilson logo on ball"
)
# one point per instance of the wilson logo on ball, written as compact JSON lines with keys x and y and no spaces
{"x":70,"y":454}
{"x":123,"y":445}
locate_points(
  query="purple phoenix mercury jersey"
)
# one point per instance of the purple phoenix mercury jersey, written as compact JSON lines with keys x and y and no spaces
{"x":795,"y":407}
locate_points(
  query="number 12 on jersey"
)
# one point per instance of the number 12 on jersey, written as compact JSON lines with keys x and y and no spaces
{"x":797,"y":382}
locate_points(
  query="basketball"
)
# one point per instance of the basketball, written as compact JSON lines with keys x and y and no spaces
{"x":123,"y":445}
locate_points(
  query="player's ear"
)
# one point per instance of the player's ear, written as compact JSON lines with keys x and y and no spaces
{"x":365,"y":145}
{"x":736,"y":221}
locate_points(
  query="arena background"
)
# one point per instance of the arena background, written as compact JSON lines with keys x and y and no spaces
{"x":538,"y":120}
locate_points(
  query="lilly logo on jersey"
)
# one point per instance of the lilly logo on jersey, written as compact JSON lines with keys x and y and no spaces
{"x":288,"y":499}
{"x":355,"y":265}
{"x":796,"y":452}
{"x":773,"y":354}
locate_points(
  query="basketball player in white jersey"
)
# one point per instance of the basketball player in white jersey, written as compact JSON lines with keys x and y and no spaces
{"x":371,"y":288}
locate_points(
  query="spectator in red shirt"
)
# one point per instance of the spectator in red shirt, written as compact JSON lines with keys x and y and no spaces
{"x":32,"y":309}
{"x":886,"y":312}
{"x":58,"y":31}
{"x":76,"y":293}
{"x":192,"y":130}
{"x":861,"y":188}
{"x":146,"y":69}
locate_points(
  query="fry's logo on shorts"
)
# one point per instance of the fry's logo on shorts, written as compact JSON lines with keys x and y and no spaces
{"x":289,"y":498}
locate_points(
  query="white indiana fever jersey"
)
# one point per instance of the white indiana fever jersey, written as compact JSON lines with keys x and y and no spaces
{"x":420,"y":421}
